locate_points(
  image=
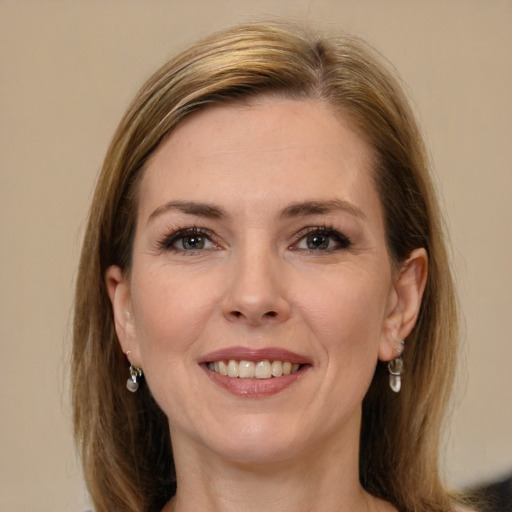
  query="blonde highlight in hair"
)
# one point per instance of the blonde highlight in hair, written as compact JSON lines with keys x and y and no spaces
{"x":124,"y":438}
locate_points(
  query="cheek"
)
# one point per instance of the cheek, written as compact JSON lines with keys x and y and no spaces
{"x":346,"y":311}
{"x":171,"y":312}
{"x":171,"y":315}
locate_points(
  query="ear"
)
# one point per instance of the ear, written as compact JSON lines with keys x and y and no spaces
{"x":118,"y":288}
{"x":404,"y":304}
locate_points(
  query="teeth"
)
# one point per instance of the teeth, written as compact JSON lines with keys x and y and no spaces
{"x":277,"y":369}
{"x":251,"y":370}
{"x":223,"y":368}
{"x":263,"y":370}
{"x":246,"y":370}
{"x":233,"y":369}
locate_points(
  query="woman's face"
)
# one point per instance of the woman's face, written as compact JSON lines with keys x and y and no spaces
{"x":260,"y":238}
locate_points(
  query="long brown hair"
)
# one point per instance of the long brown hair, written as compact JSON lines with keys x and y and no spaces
{"x":124,"y":438}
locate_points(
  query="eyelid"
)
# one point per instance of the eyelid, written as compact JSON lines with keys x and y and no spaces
{"x":342,"y":239}
{"x":171,"y":236}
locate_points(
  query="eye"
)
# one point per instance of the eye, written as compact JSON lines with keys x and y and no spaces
{"x":323,"y":239}
{"x":188,"y":240}
{"x":192,"y":242}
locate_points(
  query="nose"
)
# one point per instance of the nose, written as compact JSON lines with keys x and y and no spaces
{"x":256,"y":290}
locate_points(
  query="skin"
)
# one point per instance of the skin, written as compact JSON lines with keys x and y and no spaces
{"x":257,"y":282}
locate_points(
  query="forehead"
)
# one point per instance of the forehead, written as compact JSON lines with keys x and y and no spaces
{"x":272,"y":148}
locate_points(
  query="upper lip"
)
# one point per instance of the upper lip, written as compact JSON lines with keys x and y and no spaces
{"x":255,"y":355}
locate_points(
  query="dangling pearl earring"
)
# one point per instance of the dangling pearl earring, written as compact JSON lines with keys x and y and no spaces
{"x":132,"y":384}
{"x":396,"y":368}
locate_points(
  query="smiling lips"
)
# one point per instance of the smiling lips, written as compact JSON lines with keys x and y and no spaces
{"x":248,"y":372}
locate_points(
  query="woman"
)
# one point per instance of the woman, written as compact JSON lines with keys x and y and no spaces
{"x":264,"y":261}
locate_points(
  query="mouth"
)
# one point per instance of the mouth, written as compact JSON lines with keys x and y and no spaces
{"x":247,"y":372}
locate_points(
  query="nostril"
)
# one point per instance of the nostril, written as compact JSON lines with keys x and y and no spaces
{"x":268,"y":314}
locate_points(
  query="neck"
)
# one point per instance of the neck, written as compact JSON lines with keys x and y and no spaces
{"x":325,"y":480}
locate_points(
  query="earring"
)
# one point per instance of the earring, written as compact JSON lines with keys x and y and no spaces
{"x":132,"y":384}
{"x":395,"y":369}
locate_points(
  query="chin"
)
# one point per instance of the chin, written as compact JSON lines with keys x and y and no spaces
{"x":257,"y":453}
{"x":256,"y":442}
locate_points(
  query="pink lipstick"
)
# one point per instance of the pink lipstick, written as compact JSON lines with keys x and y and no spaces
{"x":254,"y":372}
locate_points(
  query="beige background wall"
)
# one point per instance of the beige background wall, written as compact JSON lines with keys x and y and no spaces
{"x":67,"y":71}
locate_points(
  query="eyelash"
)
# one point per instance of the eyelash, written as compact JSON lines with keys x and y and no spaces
{"x":343,"y":241}
{"x":166,"y":243}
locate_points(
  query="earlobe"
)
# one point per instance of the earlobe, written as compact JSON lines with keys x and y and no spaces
{"x":405,"y":303}
{"x":118,"y":288}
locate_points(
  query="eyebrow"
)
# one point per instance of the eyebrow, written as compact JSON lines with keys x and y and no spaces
{"x":191,"y":208}
{"x":299,"y":209}
{"x":305,"y":208}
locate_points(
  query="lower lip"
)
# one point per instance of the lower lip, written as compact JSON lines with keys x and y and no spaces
{"x":254,"y":388}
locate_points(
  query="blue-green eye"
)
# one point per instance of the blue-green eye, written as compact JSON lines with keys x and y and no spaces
{"x":191,"y":242}
{"x":318,"y":242}
{"x":187,"y":240}
{"x":323,"y":239}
